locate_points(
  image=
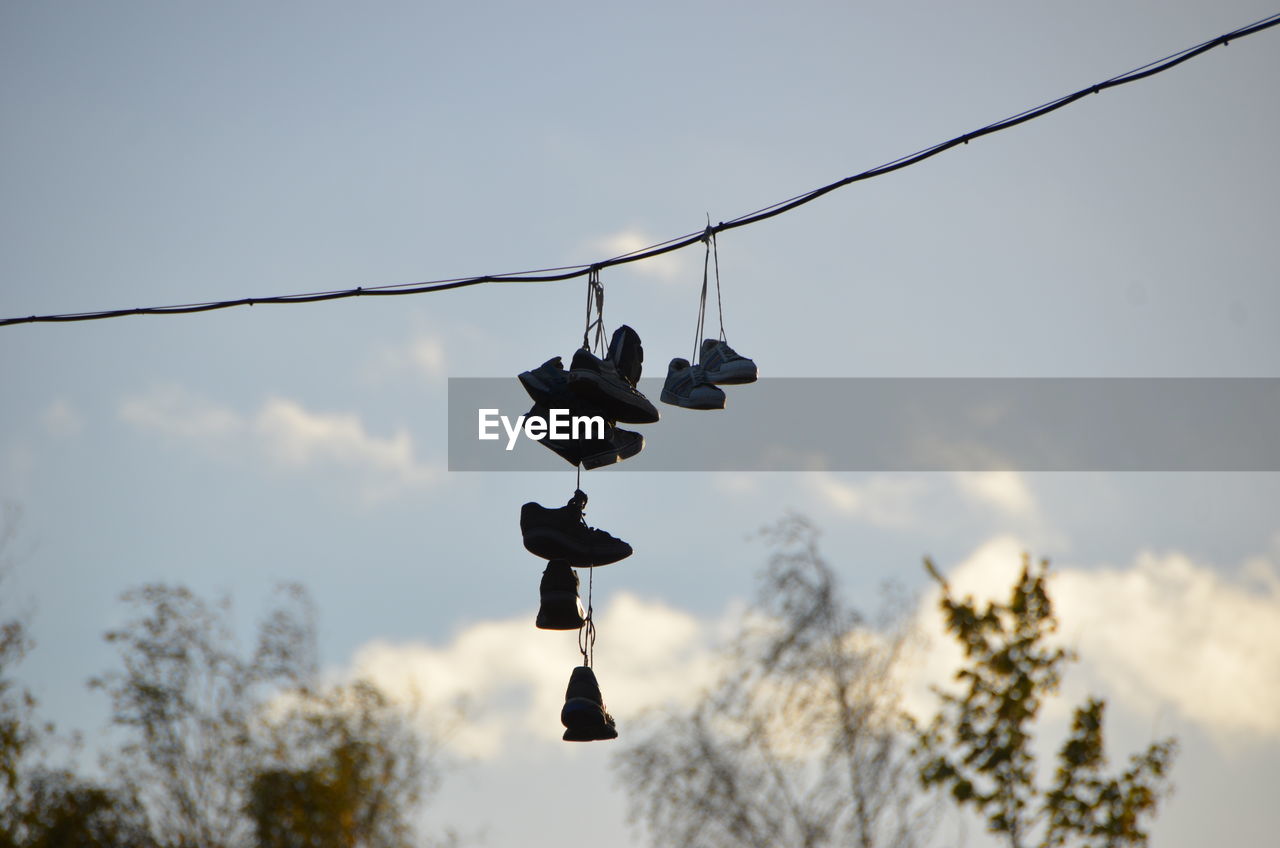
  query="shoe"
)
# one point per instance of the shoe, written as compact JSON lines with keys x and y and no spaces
{"x":687,"y":386}
{"x":598,"y":381}
{"x":615,"y":445}
{"x":721,"y":364}
{"x":545,"y":381}
{"x":561,"y":607}
{"x":627,"y":354}
{"x":583,"y":715}
{"x":563,"y":534}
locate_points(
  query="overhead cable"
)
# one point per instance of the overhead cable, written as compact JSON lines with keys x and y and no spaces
{"x":568,"y":272}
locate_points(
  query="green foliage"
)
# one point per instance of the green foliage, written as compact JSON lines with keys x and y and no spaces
{"x":344,"y":770}
{"x":59,"y":809}
{"x":219,"y":749}
{"x":979,"y":747}
{"x":228,"y":750}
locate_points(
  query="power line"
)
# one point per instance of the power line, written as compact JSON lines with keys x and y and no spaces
{"x":568,"y":272}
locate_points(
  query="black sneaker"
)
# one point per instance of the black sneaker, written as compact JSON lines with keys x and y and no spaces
{"x":563,"y":534}
{"x":627,"y":354}
{"x":545,"y":381}
{"x":583,"y":715}
{"x":599,"y":381}
{"x":615,"y":446}
{"x":723,"y":365}
{"x":561,"y":607}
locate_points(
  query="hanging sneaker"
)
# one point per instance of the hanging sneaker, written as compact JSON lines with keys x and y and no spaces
{"x":598,"y":381}
{"x":687,"y":386}
{"x":722,"y":365}
{"x":563,"y":534}
{"x":583,"y":715}
{"x":627,"y":354}
{"x":561,"y":607}
{"x":614,"y":446}
{"x":545,"y":381}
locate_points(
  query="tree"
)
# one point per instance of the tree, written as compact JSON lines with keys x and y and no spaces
{"x":225,"y":750}
{"x":344,"y":768}
{"x":979,"y":745}
{"x":800,"y":742}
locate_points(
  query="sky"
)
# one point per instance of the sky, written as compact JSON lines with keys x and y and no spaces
{"x":157,"y":153}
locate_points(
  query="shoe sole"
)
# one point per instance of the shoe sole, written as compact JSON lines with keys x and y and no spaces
{"x":551,"y":544}
{"x":609,"y":457}
{"x":584,"y":721}
{"x":679,"y":400}
{"x":732,"y":377}
{"x":587,"y":384}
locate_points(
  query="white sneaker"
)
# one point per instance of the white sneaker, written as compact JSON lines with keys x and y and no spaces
{"x":687,"y":386}
{"x":721,"y":364}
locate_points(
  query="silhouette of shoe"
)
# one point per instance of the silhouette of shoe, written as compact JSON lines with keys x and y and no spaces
{"x":561,"y":608}
{"x":588,"y":450}
{"x":687,"y":386}
{"x":583,"y":715}
{"x":598,"y":381}
{"x":723,"y":365}
{"x":627,"y":354}
{"x":563,"y":534}
{"x":546,"y":381}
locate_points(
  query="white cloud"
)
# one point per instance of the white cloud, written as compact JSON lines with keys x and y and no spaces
{"x":1171,"y":631}
{"x":669,"y":267}
{"x":1165,"y":632}
{"x":287,"y":435}
{"x":882,"y":500}
{"x":424,"y":354}
{"x":1007,"y":491}
{"x":175,"y":412}
{"x":297,"y":438}
{"x":510,"y":677}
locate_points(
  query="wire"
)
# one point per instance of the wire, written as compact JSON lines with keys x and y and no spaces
{"x":568,"y":272}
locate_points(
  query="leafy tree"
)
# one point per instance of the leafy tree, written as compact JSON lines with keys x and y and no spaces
{"x":979,"y":747}
{"x":58,"y":809}
{"x":800,"y":742}
{"x":344,"y":767}
{"x":225,"y":750}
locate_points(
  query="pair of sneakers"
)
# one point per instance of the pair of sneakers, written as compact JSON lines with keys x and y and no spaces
{"x":595,"y":387}
{"x":697,"y":386}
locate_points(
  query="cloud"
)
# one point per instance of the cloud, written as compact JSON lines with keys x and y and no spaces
{"x":287,"y":435}
{"x":881,"y":500}
{"x":424,"y":354}
{"x":669,"y":267}
{"x":175,"y":412}
{"x":509,"y":678}
{"x":1006,"y":491}
{"x":1164,"y":632}
{"x":297,"y":438}
{"x":62,"y":420}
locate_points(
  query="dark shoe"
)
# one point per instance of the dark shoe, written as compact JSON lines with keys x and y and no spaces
{"x":545,"y":381}
{"x":563,"y":534}
{"x":687,"y":386}
{"x":561,"y":607}
{"x":723,"y":365}
{"x":583,"y":715}
{"x":598,"y":381}
{"x":627,"y":354}
{"x":615,"y":445}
